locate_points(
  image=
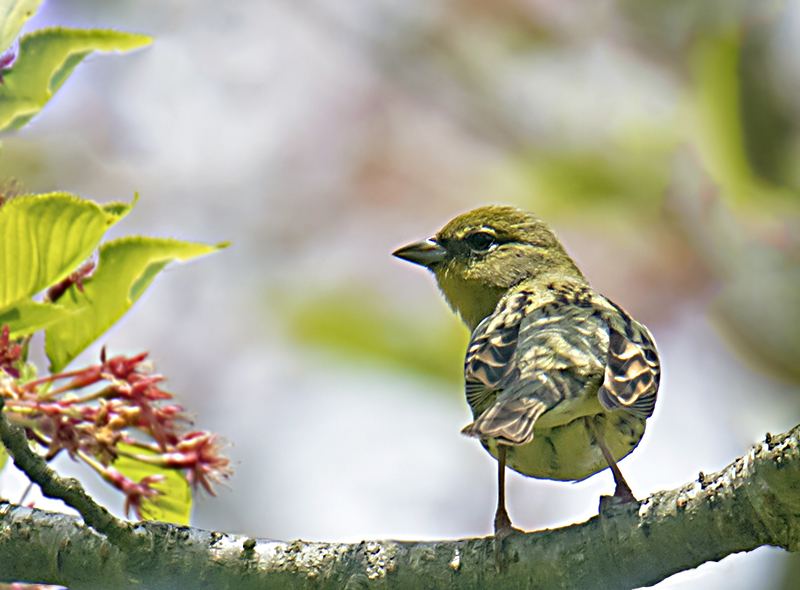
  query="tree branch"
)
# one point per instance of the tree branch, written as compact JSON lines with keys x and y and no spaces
{"x":53,"y":486}
{"x":754,"y":501}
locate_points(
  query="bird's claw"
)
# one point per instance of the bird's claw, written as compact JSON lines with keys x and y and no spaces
{"x":615,"y":503}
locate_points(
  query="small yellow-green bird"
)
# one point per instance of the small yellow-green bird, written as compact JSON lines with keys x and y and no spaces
{"x":560,"y":379}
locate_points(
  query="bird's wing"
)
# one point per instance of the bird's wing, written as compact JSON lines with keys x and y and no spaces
{"x":632,"y":372}
{"x":535,"y":352}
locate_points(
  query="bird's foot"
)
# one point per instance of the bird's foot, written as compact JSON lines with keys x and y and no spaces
{"x":614,"y":504}
{"x":502,"y":525}
{"x":502,"y":530}
{"x":623,"y":493}
{"x":622,"y":500}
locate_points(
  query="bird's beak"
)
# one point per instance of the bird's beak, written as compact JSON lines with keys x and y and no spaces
{"x":425,"y":253}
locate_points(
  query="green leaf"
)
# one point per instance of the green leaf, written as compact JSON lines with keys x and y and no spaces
{"x":13,"y":14}
{"x":3,"y":457}
{"x":31,"y":316}
{"x":126,"y":267}
{"x":174,"y":504}
{"x":120,"y":209}
{"x":46,"y":59}
{"x":43,"y":238}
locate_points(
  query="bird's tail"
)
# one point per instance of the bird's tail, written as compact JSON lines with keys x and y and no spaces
{"x":510,"y":422}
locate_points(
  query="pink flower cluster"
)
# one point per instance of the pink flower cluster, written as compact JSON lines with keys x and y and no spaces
{"x":90,"y":412}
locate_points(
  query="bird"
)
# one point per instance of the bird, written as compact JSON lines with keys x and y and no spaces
{"x":559,"y":378}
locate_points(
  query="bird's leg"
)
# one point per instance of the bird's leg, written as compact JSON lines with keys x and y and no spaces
{"x":502,"y":523}
{"x":622,"y":493}
{"x":623,"y":490}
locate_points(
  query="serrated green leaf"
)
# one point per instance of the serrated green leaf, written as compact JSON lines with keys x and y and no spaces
{"x":174,"y":504}
{"x":120,"y":209}
{"x":43,"y":238}
{"x":126,"y":267}
{"x":150,"y":272}
{"x":13,"y":14}
{"x":46,"y":59}
{"x":30,"y":316}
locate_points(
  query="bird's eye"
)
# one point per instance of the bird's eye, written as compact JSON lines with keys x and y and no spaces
{"x":480,"y":241}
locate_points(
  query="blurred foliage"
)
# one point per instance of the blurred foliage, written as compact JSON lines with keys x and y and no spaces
{"x":752,"y":247}
{"x":759,"y":314}
{"x":673,"y":25}
{"x":358,"y":323}
{"x":770,"y":131}
{"x":623,"y":181}
{"x":754,"y":256}
{"x":714,"y":113}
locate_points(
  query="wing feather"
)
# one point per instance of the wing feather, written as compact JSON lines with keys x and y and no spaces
{"x":531,"y":355}
{"x":632,"y":372}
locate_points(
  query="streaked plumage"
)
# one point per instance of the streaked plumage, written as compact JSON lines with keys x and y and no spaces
{"x":542,"y":362}
{"x":554,"y":371}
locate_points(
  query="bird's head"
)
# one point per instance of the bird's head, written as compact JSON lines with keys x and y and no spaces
{"x":480,"y":255}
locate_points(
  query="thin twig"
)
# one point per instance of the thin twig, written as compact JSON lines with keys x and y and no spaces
{"x":53,"y":486}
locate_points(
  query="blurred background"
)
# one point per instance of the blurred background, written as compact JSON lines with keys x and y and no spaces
{"x":660,"y":140}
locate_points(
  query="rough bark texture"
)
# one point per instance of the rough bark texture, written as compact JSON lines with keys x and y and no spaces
{"x":754,"y":501}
